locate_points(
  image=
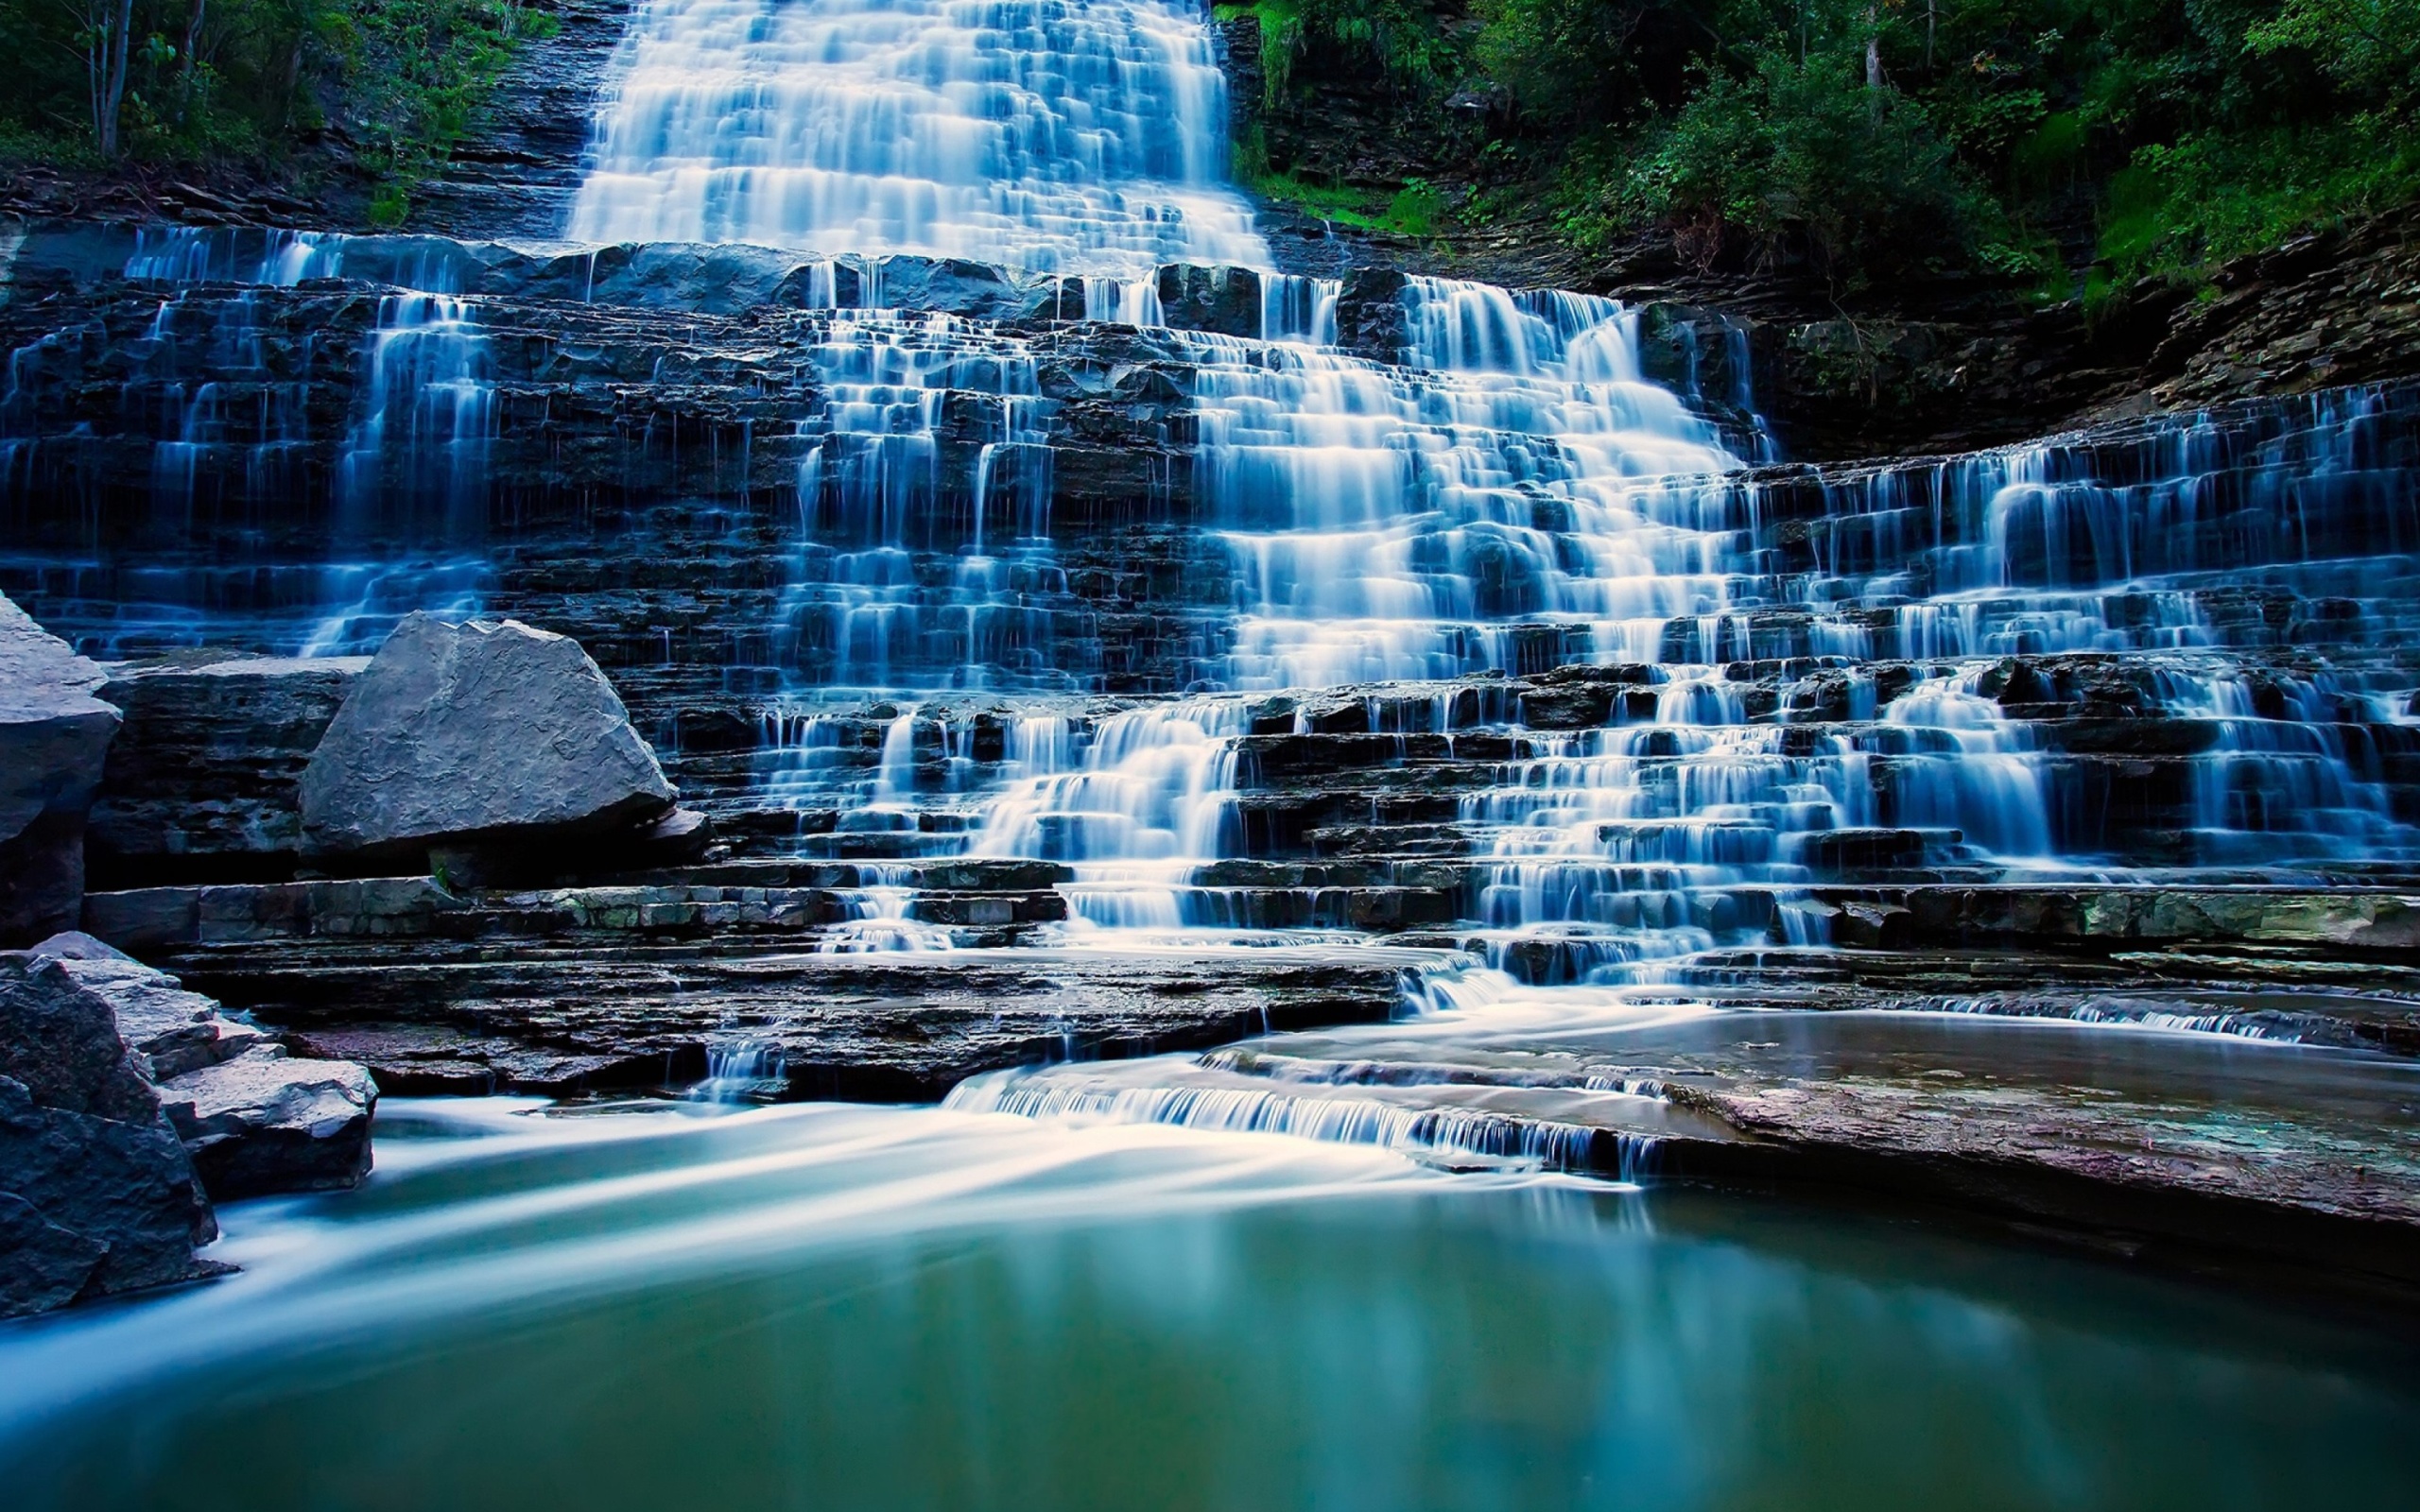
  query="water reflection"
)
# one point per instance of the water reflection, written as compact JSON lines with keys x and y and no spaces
{"x":852,"y":1307}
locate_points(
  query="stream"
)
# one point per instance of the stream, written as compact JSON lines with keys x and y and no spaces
{"x":868,"y":1307}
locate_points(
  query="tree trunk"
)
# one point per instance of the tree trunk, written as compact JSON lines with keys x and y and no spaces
{"x":191,"y":56}
{"x":111,"y":91}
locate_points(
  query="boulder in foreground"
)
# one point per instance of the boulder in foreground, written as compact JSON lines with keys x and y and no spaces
{"x":97,"y":1194}
{"x":54,"y":737}
{"x":254,"y":1119}
{"x":477,"y":738}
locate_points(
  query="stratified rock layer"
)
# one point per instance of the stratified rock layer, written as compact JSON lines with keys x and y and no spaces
{"x":202,"y":780}
{"x":585,"y":1014}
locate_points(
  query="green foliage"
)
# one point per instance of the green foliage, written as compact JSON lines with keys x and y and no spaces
{"x":2213,"y":196}
{"x":1803,"y":160}
{"x":1416,"y":209}
{"x":1401,"y":37}
{"x":2053,"y":143}
{"x":2367,"y":45}
{"x":1281,"y":39}
{"x":397,"y":79}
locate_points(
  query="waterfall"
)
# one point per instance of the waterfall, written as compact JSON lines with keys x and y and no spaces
{"x":1388,"y":522}
{"x":1049,"y":135}
{"x":1147,"y":805}
{"x":1373,"y":605}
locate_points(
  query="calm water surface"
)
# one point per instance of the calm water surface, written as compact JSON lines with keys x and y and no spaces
{"x":835,"y":1307}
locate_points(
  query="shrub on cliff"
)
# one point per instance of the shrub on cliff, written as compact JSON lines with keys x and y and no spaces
{"x":1800,"y":161}
{"x":2050,"y":140}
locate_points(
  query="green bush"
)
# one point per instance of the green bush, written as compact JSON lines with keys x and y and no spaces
{"x":1998,"y":136}
{"x":2214,"y":195}
{"x":1802,"y":160}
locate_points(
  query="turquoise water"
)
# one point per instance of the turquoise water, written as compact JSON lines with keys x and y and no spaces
{"x":847,"y":1307}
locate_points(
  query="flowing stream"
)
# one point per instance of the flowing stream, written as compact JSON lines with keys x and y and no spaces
{"x":841,"y":1307}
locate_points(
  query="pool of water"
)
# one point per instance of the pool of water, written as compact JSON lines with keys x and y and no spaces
{"x":851,"y":1306}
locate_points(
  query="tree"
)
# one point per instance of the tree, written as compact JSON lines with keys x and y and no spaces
{"x":104,"y":29}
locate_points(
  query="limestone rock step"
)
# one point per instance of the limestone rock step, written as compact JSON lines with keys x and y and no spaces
{"x":158,"y":919}
{"x":905,"y":1025}
{"x":2189,"y":1148}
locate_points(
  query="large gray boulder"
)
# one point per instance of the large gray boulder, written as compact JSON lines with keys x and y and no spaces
{"x":477,"y":736}
{"x":98,"y":1193}
{"x":53,"y":736}
{"x":254,"y":1119}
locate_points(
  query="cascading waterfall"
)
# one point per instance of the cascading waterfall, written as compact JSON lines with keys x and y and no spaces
{"x":1509,"y":491}
{"x":1786,"y":677}
{"x":884,"y":483}
{"x":1147,"y":807}
{"x":1514,"y":495}
{"x":1049,"y":135}
{"x":412,"y":467}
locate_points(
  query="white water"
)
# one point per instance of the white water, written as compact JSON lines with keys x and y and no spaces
{"x":1085,"y":136}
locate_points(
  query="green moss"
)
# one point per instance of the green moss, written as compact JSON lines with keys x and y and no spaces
{"x":1416,"y":209}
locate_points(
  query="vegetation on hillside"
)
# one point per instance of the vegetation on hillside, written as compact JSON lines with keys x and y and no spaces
{"x":2053,"y":140}
{"x":392,"y":82}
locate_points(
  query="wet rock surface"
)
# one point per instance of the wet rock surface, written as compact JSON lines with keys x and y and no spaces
{"x":54,"y":737}
{"x":265,"y":1121}
{"x":2197,"y":1149}
{"x":874,"y":1026}
{"x":97,"y":1194}
{"x":254,"y":1119}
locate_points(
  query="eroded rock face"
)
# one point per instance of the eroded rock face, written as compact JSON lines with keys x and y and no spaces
{"x":253,"y":1119}
{"x":478,"y":734}
{"x":269,"y":1121}
{"x":98,"y":1193}
{"x":201,"y":783}
{"x":53,"y":735}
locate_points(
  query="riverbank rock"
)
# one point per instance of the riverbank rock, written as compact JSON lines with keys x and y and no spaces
{"x":254,"y":1119}
{"x":269,"y":1121}
{"x":478,"y":740}
{"x":98,"y":1193}
{"x":53,"y":736}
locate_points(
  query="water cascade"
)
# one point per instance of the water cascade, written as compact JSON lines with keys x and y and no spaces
{"x":1151,"y":697}
{"x":1033,"y":517}
{"x":1086,"y":137}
